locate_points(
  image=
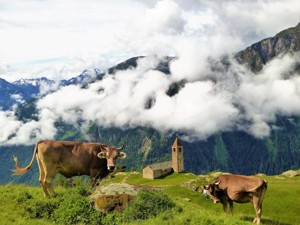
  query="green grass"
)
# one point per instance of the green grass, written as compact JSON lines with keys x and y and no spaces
{"x":12,"y":206}
{"x":171,"y":180}
{"x":192,"y":214}
{"x":281,"y":204}
{"x":26,"y":205}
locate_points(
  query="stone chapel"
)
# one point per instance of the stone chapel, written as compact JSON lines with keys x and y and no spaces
{"x":161,"y":169}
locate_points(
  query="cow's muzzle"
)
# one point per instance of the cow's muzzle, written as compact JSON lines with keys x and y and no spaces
{"x":208,"y":195}
{"x":216,"y":201}
{"x":111,"y":168}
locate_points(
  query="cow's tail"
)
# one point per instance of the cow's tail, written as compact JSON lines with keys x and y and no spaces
{"x":265,"y":185}
{"x":264,"y":188}
{"x":261,"y":187}
{"x":19,"y":170}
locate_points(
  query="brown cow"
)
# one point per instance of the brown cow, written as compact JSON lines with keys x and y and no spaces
{"x":237,"y":188}
{"x":71,"y":159}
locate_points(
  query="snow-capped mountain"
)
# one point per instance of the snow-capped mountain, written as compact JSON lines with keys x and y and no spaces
{"x":25,"y":89}
{"x":85,"y":77}
{"x":33,"y":82}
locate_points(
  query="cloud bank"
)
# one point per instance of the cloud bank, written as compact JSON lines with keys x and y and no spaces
{"x":209,"y":102}
{"x":200,"y":109}
{"x":71,"y":36}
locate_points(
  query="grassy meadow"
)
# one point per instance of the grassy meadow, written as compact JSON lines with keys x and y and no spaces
{"x":24,"y":205}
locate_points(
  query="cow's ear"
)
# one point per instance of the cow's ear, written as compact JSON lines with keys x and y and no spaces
{"x":102,"y":155}
{"x":122,"y":155}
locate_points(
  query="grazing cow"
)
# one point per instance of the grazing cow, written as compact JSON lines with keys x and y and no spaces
{"x":237,"y":188}
{"x":71,"y":159}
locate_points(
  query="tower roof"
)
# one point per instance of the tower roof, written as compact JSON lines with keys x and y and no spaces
{"x":176,"y":142}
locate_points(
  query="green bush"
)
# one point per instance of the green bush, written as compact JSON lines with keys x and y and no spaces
{"x":72,"y":206}
{"x":41,"y":209}
{"x":83,"y":190}
{"x":76,"y":209}
{"x":37,"y":208}
{"x":148,"y":204}
{"x":23,"y":197}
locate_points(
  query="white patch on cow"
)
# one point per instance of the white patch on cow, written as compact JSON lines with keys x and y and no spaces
{"x":205,"y":193}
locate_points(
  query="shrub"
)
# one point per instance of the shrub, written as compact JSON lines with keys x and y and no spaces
{"x":76,"y":209}
{"x":73,"y":207}
{"x":83,"y":190}
{"x":42,"y":209}
{"x":148,"y":204}
{"x":23,"y":197}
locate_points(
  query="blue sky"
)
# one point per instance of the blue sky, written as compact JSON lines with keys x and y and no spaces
{"x":60,"y":38}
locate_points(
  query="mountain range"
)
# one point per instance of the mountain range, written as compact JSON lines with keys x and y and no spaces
{"x":233,"y":151}
{"x":23,"y":90}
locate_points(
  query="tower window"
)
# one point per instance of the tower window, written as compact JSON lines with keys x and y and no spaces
{"x":179,"y":149}
{"x":174,"y":149}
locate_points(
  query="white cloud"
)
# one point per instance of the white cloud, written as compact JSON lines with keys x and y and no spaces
{"x":165,"y":17}
{"x":274,"y":92}
{"x":63,"y":30}
{"x":137,"y":97}
{"x":10,"y":124}
{"x":18,"y":98}
{"x":109,"y":32}
{"x":255,"y":20}
{"x":121,"y":100}
{"x":198,"y":110}
{"x":69,"y":37}
{"x":14,"y":131}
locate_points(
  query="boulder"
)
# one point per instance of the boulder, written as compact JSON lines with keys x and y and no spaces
{"x":114,"y":196}
{"x":291,"y":173}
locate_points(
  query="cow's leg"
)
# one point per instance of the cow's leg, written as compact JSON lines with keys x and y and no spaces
{"x":95,"y":178}
{"x":48,"y":182}
{"x":94,"y":182}
{"x":49,"y":175}
{"x":224,"y":203}
{"x":257,"y":203}
{"x":259,"y":199}
{"x":42,"y":177}
{"x":230,"y":206}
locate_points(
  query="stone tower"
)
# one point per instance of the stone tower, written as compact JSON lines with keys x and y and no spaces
{"x":177,"y":156}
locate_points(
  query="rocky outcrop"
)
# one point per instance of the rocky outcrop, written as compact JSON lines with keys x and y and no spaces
{"x":258,"y":54}
{"x":201,"y":180}
{"x":291,"y":173}
{"x":115,"y":196}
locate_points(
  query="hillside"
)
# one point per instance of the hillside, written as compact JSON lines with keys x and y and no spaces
{"x":234,"y":151}
{"x":26,"y":205}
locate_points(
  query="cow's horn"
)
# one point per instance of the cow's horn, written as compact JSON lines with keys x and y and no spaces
{"x":121,"y":147}
{"x":217,"y":183}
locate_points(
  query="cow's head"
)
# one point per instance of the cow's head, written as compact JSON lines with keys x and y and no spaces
{"x":211,"y":191}
{"x":111,"y":154}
